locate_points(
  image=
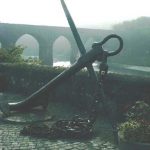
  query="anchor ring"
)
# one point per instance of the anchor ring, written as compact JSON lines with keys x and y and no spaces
{"x":111,"y":53}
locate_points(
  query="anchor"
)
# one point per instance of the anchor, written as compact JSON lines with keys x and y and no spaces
{"x":85,"y":60}
{"x":77,"y":126}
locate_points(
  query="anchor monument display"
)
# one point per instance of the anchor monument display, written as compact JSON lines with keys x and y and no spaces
{"x":97,"y":53}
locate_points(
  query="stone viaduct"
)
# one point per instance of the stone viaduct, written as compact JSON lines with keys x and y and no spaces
{"x":46,"y":36}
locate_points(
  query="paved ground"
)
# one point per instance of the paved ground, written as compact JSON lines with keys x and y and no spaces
{"x":10,"y":138}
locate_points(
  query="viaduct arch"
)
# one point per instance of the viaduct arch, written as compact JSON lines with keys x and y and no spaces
{"x":46,"y":36}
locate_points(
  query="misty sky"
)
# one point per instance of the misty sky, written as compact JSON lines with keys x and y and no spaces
{"x":86,"y":13}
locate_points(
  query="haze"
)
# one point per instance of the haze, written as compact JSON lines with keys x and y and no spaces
{"x":86,"y":13}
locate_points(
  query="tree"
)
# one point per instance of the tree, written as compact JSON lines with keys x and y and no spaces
{"x":136,"y":36}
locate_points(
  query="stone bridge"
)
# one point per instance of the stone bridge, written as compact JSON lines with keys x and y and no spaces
{"x":46,"y":37}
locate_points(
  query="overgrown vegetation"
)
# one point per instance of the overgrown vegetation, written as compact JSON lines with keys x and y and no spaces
{"x":11,"y":55}
{"x":137,"y":126}
{"x":14,"y":55}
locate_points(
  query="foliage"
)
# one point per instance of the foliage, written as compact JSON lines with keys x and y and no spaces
{"x":137,"y":126}
{"x":14,"y":55}
{"x":140,"y":111}
{"x":11,"y":55}
{"x":135,"y":131}
{"x":31,"y":60}
{"x":136,"y":37}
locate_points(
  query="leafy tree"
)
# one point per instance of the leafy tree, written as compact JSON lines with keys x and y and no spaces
{"x":136,"y":37}
{"x":14,"y":55}
{"x":11,"y":55}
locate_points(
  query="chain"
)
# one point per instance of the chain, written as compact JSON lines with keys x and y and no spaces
{"x":100,"y":97}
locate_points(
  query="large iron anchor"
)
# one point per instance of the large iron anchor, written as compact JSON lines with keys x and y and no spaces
{"x":77,"y":127}
{"x":94,"y":54}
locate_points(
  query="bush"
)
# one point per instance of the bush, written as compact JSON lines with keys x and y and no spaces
{"x":14,"y":55}
{"x":137,"y":126}
{"x":11,"y":55}
{"x":31,"y":60}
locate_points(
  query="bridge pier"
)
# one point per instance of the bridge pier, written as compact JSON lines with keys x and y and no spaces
{"x":74,"y":52}
{"x":45,"y":54}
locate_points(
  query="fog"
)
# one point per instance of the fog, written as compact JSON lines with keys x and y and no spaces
{"x":129,"y":19}
{"x":90,"y":14}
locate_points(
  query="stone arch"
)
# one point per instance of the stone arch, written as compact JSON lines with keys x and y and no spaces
{"x":30,"y":45}
{"x":61,"y":49}
{"x":88,"y":43}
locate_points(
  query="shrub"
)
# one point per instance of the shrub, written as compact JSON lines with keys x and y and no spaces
{"x":14,"y":55}
{"x":137,"y":126}
{"x":11,"y":55}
